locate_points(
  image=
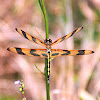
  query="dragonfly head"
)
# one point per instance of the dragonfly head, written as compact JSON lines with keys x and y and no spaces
{"x":48,"y":41}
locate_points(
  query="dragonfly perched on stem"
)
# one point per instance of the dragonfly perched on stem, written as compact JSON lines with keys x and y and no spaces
{"x":48,"y":52}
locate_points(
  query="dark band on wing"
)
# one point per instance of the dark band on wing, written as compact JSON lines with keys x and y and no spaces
{"x":34,"y":39}
{"x":73,"y":32}
{"x":24,"y":34}
{"x":63,"y":38}
{"x":81,"y":52}
{"x":67,"y":52}
{"x":19,"y":51}
{"x":31,"y":51}
{"x":45,"y":55}
{"x":34,"y":54}
{"x":55,"y":54}
{"x":78,"y":29}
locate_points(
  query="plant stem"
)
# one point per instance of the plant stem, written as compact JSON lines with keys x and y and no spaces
{"x":46,"y":77}
{"x":39,"y":69}
{"x":45,"y":17}
{"x":41,"y":2}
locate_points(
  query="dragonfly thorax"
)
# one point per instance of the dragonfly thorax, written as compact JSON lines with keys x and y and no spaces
{"x":48,"y":43}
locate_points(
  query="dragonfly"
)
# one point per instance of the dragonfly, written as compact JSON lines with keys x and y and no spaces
{"x":48,"y":52}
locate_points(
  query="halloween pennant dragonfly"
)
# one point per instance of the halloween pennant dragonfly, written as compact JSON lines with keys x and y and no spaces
{"x":48,"y":52}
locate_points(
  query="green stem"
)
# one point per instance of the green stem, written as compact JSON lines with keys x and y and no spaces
{"x":38,"y":69}
{"x":45,"y":17}
{"x":46,"y":77}
{"x":41,"y":2}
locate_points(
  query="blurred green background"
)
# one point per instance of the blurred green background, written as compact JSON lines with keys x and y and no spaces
{"x":71,"y":78}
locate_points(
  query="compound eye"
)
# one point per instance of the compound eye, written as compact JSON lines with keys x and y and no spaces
{"x":50,"y":40}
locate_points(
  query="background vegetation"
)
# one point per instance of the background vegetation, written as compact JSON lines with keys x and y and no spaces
{"x":72,"y":78}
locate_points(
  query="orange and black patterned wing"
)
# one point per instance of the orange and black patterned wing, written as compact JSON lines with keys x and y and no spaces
{"x":59,"y":52}
{"x":67,"y":36}
{"x":30,"y":52}
{"x":29,"y":37}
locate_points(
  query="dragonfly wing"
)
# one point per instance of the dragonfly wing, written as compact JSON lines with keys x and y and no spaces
{"x":29,"y":37}
{"x":59,"y":52}
{"x":67,"y":36}
{"x":29,"y":52}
